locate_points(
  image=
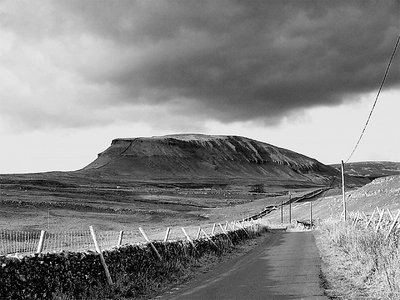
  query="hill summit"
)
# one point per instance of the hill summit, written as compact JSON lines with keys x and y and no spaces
{"x":197,"y":156}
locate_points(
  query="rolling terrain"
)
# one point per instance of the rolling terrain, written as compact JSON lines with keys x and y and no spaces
{"x":371,"y":169}
{"x":382,"y":192}
{"x":175,"y":179}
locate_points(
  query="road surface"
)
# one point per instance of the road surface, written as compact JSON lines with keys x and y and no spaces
{"x":286,"y":265}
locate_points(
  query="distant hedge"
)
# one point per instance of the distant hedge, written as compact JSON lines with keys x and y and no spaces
{"x":135,"y":270}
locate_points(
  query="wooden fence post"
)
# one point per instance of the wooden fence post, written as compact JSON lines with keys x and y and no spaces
{"x":188,"y":237}
{"x":244,"y":229}
{"x":205,"y":233}
{"x":213,"y":229}
{"x":380,"y":220}
{"x":224,"y":232}
{"x":151,"y":244}
{"x":102,"y":260}
{"x":246,"y":225}
{"x":120,"y":237}
{"x":390,"y":214}
{"x":41,"y":241}
{"x":356,"y":216}
{"x":233,"y":229}
{"x":364,"y":215}
{"x":393,"y":224}
{"x":370,"y":219}
{"x":166,"y":237}
{"x":198,"y":233}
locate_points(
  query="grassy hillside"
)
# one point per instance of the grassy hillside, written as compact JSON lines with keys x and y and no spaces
{"x":382,"y":192}
{"x":371,"y":169}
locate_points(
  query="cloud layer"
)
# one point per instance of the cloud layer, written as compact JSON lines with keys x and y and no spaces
{"x":79,"y":63}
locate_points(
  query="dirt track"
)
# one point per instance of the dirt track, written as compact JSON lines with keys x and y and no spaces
{"x":285,"y":265}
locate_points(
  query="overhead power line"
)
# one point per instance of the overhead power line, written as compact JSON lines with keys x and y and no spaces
{"x":376,"y":98}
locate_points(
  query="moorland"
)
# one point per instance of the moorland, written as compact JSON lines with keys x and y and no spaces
{"x":166,"y":181}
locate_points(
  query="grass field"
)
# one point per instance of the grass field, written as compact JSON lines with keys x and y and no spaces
{"x":65,"y":201}
{"x":359,"y":263}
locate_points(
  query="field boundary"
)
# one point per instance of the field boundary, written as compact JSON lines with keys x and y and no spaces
{"x":22,"y":243}
{"x":128,"y":271}
{"x":381,"y":220}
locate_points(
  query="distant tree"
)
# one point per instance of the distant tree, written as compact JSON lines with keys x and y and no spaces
{"x":257,"y":188}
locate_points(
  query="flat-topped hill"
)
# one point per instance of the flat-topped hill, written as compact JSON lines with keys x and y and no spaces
{"x":194,"y":156}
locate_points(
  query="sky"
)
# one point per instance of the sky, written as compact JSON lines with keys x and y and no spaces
{"x":302,"y":75}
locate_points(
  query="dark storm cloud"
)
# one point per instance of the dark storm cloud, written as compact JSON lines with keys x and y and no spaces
{"x":238,"y":60}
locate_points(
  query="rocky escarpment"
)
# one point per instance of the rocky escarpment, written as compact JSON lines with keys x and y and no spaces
{"x":204,"y":156}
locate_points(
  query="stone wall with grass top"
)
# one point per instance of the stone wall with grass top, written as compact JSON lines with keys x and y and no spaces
{"x":135,"y":269}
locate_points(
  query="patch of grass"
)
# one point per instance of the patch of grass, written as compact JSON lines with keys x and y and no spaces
{"x":359,"y":262}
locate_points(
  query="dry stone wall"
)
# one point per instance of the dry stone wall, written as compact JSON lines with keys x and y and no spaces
{"x":134,"y":269}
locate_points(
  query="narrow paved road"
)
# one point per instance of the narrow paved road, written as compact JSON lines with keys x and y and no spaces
{"x":286,"y":265}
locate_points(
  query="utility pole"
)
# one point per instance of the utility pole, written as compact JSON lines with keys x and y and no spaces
{"x":343,"y":194}
{"x":290,"y":208}
{"x":311,"y":223}
{"x":282,"y":212}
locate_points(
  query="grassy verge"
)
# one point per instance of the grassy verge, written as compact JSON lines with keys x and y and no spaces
{"x":359,"y":263}
{"x":136,"y":271}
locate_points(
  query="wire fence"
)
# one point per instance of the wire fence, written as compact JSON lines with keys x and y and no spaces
{"x":12,"y":241}
{"x":380,"y":220}
{"x":21,"y":243}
